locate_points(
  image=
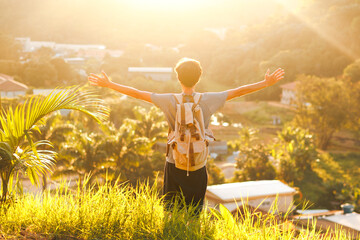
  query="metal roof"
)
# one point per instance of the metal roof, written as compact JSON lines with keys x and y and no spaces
{"x":351,"y":220}
{"x":247,"y":190}
{"x":289,"y":86}
{"x":151,"y":69}
{"x":8,"y":84}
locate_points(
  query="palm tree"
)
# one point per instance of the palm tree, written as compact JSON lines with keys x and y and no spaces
{"x":150,"y":124}
{"x":128,"y":155}
{"x":80,"y":154}
{"x":54,"y":130}
{"x":18,"y":151}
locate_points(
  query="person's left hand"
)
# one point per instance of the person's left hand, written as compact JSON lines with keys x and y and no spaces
{"x":274,"y":77}
{"x":98,"y":80}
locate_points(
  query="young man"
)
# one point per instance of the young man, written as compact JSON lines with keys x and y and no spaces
{"x":192,"y":186}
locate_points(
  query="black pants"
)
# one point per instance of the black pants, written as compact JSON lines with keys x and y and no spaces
{"x":193,"y":187}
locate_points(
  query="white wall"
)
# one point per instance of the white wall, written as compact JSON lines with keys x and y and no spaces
{"x":288,"y":97}
{"x":12,"y":94}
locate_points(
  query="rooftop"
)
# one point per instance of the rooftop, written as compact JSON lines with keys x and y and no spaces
{"x":350,"y":220}
{"x":289,"y":86}
{"x":8,"y":84}
{"x":249,"y":190}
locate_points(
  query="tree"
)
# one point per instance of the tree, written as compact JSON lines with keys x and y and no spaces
{"x":352,"y":71}
{"x":216,"y":176}
{"x":294,"y":152}
{"x":322,"y":106}
{"x":53,"y":130}
{"x":130,"y":146}
{"x":254,"y":161}
{"x":354,"y":109}
{"x":39,"y":74}
{"x":42,"y":54}
{"x":82,"y":154}
{"x":65,"y":73}
{"x":19,"y":153}
{"x":150,"y":124}
{"x":128,"y":155}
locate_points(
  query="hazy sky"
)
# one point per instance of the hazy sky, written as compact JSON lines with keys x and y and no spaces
{"x":95,"y":21}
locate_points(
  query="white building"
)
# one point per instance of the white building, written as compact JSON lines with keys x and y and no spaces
{"x":154,"y":73}
{"x":29,"y":46}
{"x":267,"y":195}
{"x":10,"y":88}
{"x":325,"y":220}
{"x":65,"y":49}
{"x":288,"y":95}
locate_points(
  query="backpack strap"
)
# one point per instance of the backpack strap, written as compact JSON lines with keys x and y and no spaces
{"x":197,"y":98}
{"x":180,"y":101}
{"x":178,"y":98}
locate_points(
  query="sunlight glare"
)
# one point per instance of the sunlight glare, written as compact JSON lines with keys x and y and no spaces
{"x":168,"y":4}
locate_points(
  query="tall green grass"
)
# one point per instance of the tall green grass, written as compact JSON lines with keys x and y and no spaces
{"x":123,"y":212}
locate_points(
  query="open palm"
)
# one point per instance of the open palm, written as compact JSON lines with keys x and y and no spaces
{"x":273,"y":78}
{"x":99,"y":80}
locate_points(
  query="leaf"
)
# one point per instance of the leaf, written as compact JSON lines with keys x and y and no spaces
{"x":18,"y":124}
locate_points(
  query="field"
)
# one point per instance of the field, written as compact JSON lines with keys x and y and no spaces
{"x":121,"y":212}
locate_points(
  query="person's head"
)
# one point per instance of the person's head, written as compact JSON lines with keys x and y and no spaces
{"x":188,"y":72}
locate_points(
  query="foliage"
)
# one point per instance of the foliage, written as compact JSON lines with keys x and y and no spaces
{"x":348,"y":188}
{"x":323,"y":106}
{"x":39,"y":74}
{"x":80,"y":155}
{"x":254,"y":160}
{"x":354,"y":111}
{"x":45,"y":72}
{"x":322,"y":39}
{"x":215,"y":175}
{"x":53,"y":130}
{"x":19,"y":153}
{"x":122,"y":212}
{"x":295,"y":152}
{"x":150,"y":124}
{"x":255,"y":164}
{"x":294,"y":159}
{"x":9,"y":67}
{"x":352,"y":71}
{"x":65,"y":72}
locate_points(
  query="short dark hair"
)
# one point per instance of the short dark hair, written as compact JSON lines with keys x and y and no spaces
{"x":188,"y":71}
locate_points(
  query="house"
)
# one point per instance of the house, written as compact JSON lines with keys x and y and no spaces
{"x":65,"y":49}
{"x":10,"y":88}
{"x":324,"y":220}
{"x":265,"y":195}
{"x":288,"y":95}
{"x":155,"y":73}
{"x":75,"y":61}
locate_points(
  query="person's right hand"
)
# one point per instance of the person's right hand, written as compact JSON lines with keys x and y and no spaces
{"x":101,"y":81}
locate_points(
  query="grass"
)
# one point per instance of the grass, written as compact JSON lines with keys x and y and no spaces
{"x":122,"y":212}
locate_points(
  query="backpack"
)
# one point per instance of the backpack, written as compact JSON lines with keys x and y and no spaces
{"x":190,"y":140}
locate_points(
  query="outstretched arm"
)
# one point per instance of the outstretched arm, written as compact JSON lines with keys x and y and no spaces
{"x":104,"y":81}
{"x":269,"y":80}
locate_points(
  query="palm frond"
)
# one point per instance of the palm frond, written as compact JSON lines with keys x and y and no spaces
{"x":16,"y":123}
